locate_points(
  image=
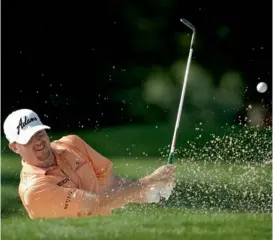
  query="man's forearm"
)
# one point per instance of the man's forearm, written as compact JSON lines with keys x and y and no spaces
{"x":126,"y":191}
{"x":115,"y":196}
{"x":116,"y":182}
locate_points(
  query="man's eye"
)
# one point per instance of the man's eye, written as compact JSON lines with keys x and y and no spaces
{"x":40,"y":134}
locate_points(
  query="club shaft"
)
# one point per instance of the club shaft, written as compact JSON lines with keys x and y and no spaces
{"x":179,"y":113}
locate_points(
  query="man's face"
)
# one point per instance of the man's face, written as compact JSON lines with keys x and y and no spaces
{"x":37,"y":148}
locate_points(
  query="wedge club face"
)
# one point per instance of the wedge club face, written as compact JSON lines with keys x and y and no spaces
{"x":187,"y":23}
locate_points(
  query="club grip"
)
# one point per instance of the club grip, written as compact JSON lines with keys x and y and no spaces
{"x":171,"y":158}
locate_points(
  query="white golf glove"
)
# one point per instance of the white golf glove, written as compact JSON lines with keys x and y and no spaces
{"x":153,"y":195}
{"x":166,"y":192}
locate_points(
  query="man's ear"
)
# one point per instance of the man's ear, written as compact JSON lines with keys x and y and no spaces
{"x":12,"y":147}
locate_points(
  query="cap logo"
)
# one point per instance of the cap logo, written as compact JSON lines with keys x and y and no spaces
{"x":24,"y":123}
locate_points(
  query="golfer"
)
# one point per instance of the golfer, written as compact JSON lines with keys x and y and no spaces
{"x":68,"y":178}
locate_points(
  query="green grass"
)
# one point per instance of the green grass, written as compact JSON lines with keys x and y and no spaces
{"x":145,"y":224}
{"x":183,"y":217}
{"x":212,"y":200}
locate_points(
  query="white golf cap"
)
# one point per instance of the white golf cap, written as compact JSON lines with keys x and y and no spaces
{"x":21,"y":125}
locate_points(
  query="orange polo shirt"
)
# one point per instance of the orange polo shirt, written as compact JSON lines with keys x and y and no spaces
{"x":58,"y":190}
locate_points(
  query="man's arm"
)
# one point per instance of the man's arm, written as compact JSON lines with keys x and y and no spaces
{"x":47,"y":200}
{"x":115,"y":196}
{"x":113,"y":181}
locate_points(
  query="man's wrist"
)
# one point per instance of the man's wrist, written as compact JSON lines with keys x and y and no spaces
{"x":144,"y":181}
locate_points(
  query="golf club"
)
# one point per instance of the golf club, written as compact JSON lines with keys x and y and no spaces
{"x":171,"y":154}
{"x":166,"y":192}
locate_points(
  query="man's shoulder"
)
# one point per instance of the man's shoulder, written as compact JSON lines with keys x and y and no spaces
{"x":71,"y":139}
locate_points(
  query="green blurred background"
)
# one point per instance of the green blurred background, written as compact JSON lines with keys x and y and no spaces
{"x":123,"y":63}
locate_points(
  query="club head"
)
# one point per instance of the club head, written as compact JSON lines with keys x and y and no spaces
{"x":187,"y":23}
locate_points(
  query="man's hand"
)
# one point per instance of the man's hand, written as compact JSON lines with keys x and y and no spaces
{"x":166,"y":192}
{"x":160,"y":178}
{"x":159,"y":184}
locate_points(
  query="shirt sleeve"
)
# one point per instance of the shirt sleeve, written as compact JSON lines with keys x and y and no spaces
{"x":102,"y":165}
{"x":48,"y":200}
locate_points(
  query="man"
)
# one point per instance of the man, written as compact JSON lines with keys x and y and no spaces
{"x":68,"y":178}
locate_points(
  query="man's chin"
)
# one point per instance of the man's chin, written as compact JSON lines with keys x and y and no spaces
{"x":43,"y":156}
